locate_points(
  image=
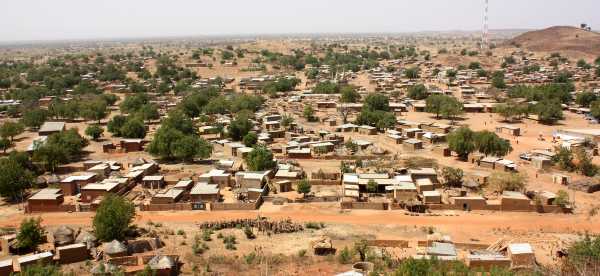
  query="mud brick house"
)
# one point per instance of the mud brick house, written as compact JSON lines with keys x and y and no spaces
{"x":252,"y":179}
{"x":469,"y":202}
{"x":220,"y":177}
{"x":514,"y":201}
{"x":402,"y":192}
{"x":204,"y":192}
{"x":521,"y":254}
{"x":132,"y":145}
{"x":168,"y":197}
{"x":92,"y":191}
{"x":412,"y":145}
{"x":72,"y":184}
{"x":72,"y":253}
{"x":45,"y":200}
{"x":432,"y":197}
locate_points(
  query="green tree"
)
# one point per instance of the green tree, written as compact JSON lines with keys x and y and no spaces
{"x":362,"y":248}
{"x":112,"y":219}
{"x":564,"y":159}
{"x":498,"y":80}
{"x":417,"y":92}
{"x":585,"y":165}
{"x":115,"y":124}
{"x":585,"y":99}
{"x":549,"y":111}
{"x":260,"y":159}
{"x":434,"y":104}
{"x":372,"y":186}
{"x":250,"y":139}
{"x":94,"y":110}
{"x":34,"y":118}
{"x":304,"y":187}
{"x":309,"y":113}
{"x":5,"y":144}
{"x":133,"y":128}
{"x":286,"y":120}
{"x":490,"y":143}
{"x":562,"y":198}
{"x":595,"y":109}
{"x":412,"y":73}
{"x":349,"y":94}
{"x":462,"y":141}
{"x":94,"y":131}
{"x":31,"y":234}
{"x":507,"y":181}
{"x":453,"y":177}
{"x":14,"y":178}
{"x":11,"y":129}
{"x":239,"y":127}
{"x":188,"y":147}
{"x":60,"y":148}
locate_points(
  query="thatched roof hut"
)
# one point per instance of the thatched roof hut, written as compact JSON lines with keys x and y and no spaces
{"x":160,"y":262}
{"x":64,"y":235}
{"x":115,"y":248}
{"x":86,"y":237}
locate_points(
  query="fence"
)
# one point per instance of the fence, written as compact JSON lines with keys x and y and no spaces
{"x":365,"y":205}
{"x":166,"y":207}
{"x":49,"y":208}
{"x":388,"y":243}
{"x":221,"y":206}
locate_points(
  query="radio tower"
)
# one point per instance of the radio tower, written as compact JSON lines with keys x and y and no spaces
{"x":484,"y":34}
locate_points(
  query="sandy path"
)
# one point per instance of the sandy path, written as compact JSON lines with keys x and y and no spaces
{"x":463,"y":225}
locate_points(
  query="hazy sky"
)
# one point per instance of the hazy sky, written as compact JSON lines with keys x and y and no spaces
{"x":85,"y":19}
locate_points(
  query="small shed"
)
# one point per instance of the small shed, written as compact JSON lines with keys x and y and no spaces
{"x":284,"y":186}
{"x":432,"y":197}
{"x":424,"y":184}
{"x":72,"y":253}
{"x":514,"y":201}
{"x":412,"y":144}
{"x":521,"y":254}
{"x":153,"y":181}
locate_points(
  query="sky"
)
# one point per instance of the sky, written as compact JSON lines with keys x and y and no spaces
{"x":26,"y":20}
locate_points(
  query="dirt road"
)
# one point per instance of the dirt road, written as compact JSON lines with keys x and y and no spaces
{"x":460,"y":225}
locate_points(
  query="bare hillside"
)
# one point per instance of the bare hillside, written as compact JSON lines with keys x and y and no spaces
{"x":568,"y":40}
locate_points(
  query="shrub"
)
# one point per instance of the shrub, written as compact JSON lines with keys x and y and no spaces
{"x":249,"y":234}
{"x":345,"y":256}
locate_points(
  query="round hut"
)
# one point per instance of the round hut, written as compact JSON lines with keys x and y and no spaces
{"x":114,"y":249}
{"x":64,"y":235}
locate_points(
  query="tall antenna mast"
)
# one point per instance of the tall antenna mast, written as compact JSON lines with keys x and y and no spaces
{"x":485,"y":33}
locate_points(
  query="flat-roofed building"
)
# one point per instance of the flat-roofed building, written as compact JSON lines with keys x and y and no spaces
{"x":168,"y":197}
{"x":45,"y":200}
{"x":73,"y":183}
{"x":204,"y":192}
{"x":92,"y":191}
{"x":153,"y":181}
{"x":49,"y":128}
{"x":214,"y":176}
